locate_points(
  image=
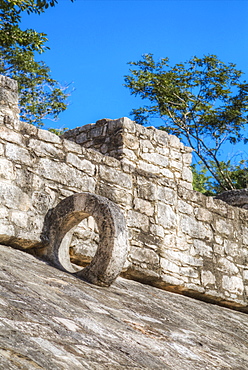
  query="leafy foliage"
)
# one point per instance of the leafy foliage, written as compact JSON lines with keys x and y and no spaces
{"x":40,"y":95}
{"x":58,"y":131}
{"x":202,"y":101}
{"x":204,"y":183}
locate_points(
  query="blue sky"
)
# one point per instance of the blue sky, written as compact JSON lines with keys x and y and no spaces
{"x":91,"y":43}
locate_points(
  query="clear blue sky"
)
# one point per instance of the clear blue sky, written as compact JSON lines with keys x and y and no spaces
{"x":92,"y":41}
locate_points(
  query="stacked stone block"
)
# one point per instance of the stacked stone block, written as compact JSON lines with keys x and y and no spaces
{"x":179,"y":239}
{"x":146,"y":149}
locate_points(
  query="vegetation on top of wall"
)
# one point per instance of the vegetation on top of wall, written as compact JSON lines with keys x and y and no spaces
{"x":204,"y":102}
{"x":40,"y":95}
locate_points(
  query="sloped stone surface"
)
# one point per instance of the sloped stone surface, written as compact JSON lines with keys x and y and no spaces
{"x":50,"y":319}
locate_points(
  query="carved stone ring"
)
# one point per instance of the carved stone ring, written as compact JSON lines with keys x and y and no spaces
{"x":112,"y":250}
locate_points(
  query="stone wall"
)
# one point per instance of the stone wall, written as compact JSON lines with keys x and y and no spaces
{"x":179,"y":239}
{"x":146,"y":149}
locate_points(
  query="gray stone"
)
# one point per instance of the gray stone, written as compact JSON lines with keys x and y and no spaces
{"x":144,"y":171}
{"x":49,"y":137}
{"x":112,"y":249}
{"x":237,"y":198}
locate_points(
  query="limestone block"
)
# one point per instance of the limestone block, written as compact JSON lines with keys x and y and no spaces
{"x":229,"y":267}
{"x":49,"y":137}
{"x":82,"y":138}
{"x":144,"y":206}
{"x":196,"y":229}
{"x":162,"y":138}
{"x":244,"y":234}
{"x":157,"y":230}
{"x":183,"y":245}
{"x":45,"y":149}
{"x":223,"y":227}
{"x":167,"y":173}
{"x":144,"y":255}
{"x":195,"y":287}
{"x":187,"y":159}
{"x":146,"y":146}
{"x":4,"y":213}
{"x":201,"y":249}
{"x":245,"y":275}
{"x":192,"y":196}
{"x":104,"y":149}
{"x":169,"y":266}
{"x":166,"y":195}
{"x":26,"y":129}
{"x":174,"y":141}
{"x":146,"y":189}
{"x":19,"y":218}
{"x":124,"y":152}
{"x":128,"y":124}
{"x":81,"y":163}
{"x":130,"y":141}
{"x":203,"y":214}
{"x":166,"y":216}
{"x":11,"y":136}
{"x":148,"y":167}
{"x":219,"y":239}
{"x":142,"y":132}
{"x":70,"y":146}
{"x":218,"y":249}
{"x":1,"y":149}
{"x":172,"y":280}
{"x":32,"y":234}
{"x":6,"y":230}
{"x":43,"y":200}
{"x":216,"y":205}
{"x":62,"y":173}
{"x":7,"y":169}
{"x":185,"y":207}
{"x":176,"y":165}
{"x":13,"y":197}
{"x":156,"y":159}
{"x":187,"y":174}
{"x":175,"y":154}
{"x":116,"y":194}
{"x":164,"y":151}
{"x":96,"y":131}
{"x":115,"y":176}
{"x":190,"y":272}
{"x":111,"y":161}
{"x":182,"y":258}
{"x":186,"y":185}
{"x":233,"y":284}
{"x":18,"y":154}
{"x":92,"y":155}
{"x":137,"y":220}
{"x":237,"y":197}
{"x":207,"y":277}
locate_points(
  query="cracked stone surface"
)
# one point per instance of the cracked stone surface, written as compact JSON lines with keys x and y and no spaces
{"x":50,"y":319}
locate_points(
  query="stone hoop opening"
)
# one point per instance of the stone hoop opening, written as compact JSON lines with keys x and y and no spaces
{"x":111,"y":253}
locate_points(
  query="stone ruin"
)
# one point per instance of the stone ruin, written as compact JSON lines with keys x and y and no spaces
{"x":117,"y":198}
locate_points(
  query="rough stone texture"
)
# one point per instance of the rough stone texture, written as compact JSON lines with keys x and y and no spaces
{"x":238,"y":197}
{"x":179,"y":239}
{"x":112,"y":249}
{"x":52,"y":320}
{"x":148,"y":149}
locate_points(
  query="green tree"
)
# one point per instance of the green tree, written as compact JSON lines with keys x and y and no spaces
{"x":40,"y":95}
{"x":203,"y":102}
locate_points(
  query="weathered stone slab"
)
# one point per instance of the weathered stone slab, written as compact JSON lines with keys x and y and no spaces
{"x":49,"y":319}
